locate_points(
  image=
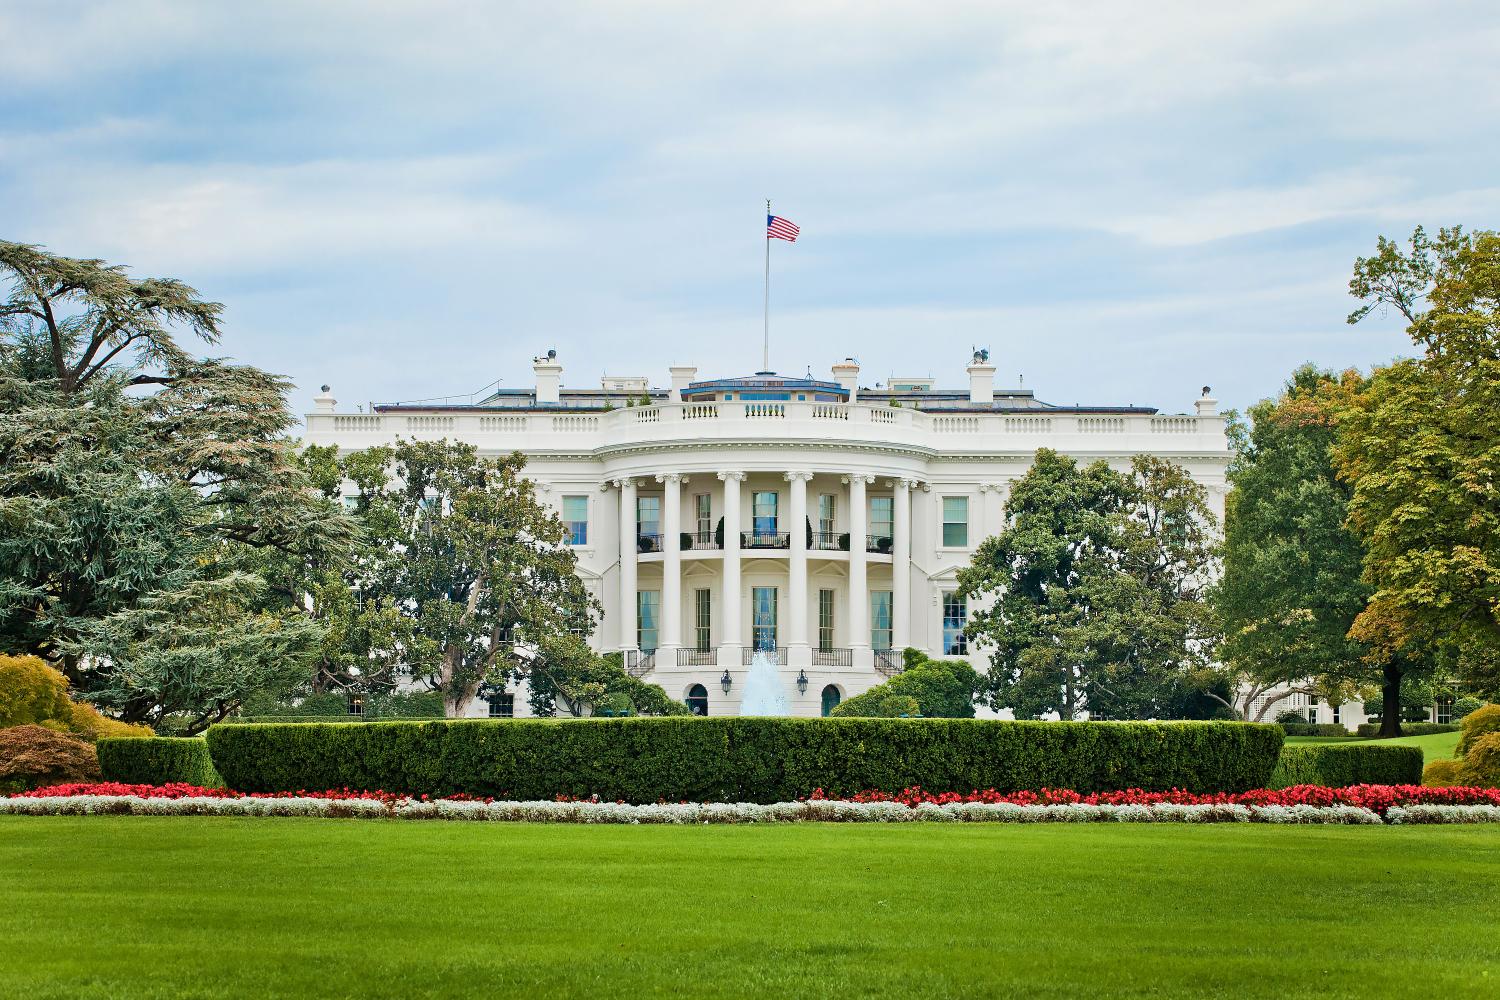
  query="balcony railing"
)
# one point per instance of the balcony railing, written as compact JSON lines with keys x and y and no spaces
{"x":878,"y":543}
{"x":697,"y":658}
{"x":765,"y":540}
{"x":833,"y":657}
{"x":888,"y":662}
{"x":749,"y":654}
{"x":648,"y":541}
{"x":830,"y":541}
{"x":639,"y":662}
{"x":702,"y":540}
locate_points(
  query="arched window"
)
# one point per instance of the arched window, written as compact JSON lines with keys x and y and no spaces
{"x":831,"y":699}
{"x":697,"y":699}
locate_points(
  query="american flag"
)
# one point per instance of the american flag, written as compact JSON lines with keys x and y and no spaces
{"x":778,"y":228}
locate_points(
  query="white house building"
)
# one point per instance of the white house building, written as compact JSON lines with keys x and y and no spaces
{"x":816,"y":517}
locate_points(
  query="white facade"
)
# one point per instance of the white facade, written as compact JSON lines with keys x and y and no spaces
{"x":847,"y":511}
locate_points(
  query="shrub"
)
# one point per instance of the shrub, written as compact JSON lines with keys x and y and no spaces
{"x":1314,"y":729}
{"x":1372,"y":729}
{"x":160,"y":760}
{"x":1481,"y":763}
{"x":33,"y":756}
{"x":741,"y":759}
{"x":942,"y":689}
{"x":1464,"y":706}
{"x":31,"y":691}
{"x":1290,"y":717}
{"x":88,"y":724}
{"x":1442,"y":773}
{"x":1337,"y":765}
{"x":1476,"y":724}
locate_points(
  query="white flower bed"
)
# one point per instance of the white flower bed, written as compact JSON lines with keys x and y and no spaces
{"x":742,"y":812}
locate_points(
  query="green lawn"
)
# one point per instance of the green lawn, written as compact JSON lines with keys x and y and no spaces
{"x":229,"y":907}
{"x":1433,"y":746}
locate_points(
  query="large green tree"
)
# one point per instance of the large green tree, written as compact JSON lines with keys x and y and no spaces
{"x":1291,"y":586}
{"x":1421,"y":449}
{"x":138,"y":485}
{"x":1091,"y":598}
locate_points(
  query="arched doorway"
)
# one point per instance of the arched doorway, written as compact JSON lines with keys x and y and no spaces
{"x":831,"y":698}
{"x":697,"y":699}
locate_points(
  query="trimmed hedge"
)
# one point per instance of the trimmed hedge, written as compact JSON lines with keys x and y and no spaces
{"x":1371,"y":729}
{"x":1313,"y":729}
{"x":158,"y":761}
{"x":741,"y":759}
{"x":1337,"y":765}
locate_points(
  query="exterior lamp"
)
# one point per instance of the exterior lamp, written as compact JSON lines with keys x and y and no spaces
{"x":802,"y":682}
{"x":726,"y":682}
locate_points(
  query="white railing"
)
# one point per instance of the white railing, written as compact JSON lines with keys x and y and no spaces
{"x":574,"y":423}
{"x":1028,"y":425}
{"x":493,"y":424}
{"x":366,"y":422}
{"x":882,"y":416}
{"x":1101,"y":425}
{"x":761,"y":411}
{"x":700,"y":411}
{"x":647,"y":415}
{"x":430,"y":425}
{"x":830,"y":411}
{"x":962,"y":425}
{"x":1174,"y":425}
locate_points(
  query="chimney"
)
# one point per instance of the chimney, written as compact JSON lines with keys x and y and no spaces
{"x":682,"y":377}
{"x":548,"y":378}
{"x":1207,"y":405}
{"x":324,"y":402}
{"x":846,"y":374}
{"x":981,"y":379}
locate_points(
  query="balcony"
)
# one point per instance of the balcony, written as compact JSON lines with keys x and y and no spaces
{"x":701,"y":540}
{"x":832,"y":657}
{"x":765,"y":540}
{"x":748,"y":654}
{"x":878,"y":543}
{"x":831,"y":541}
{"x":648,"y":541}
{"x":888,"y":662}
{"x":639,"y":662}
{"x":697,"y":657}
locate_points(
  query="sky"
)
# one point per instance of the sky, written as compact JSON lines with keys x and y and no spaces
{"x":1123,"y":202}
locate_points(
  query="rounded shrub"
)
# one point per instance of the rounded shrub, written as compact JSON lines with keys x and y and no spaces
{"x":1476,"y":724}
{"x":1481,"y":764}
{"x":158,"y":760}
{"x":35,"y":756}
{"x":1442,"y":773}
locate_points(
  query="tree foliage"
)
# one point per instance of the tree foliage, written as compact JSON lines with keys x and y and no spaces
{"x":1421,"y":449}
{"x":1091,"y":598}
{"x":138,"y":486}
{"x":930,"y":688}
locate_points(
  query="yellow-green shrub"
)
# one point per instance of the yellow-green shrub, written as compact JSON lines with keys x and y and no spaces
{"x":1442,"y":773}
{"x":31,"y":691}
{"x":1476,"y":724}
{"x":1481,"y":764}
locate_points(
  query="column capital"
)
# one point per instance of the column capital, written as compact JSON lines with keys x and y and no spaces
{"x":992,"y":487}
{"x":671,"y":477}
{"x":794,"y":476}
{"x":910,"y":483}
{"x":620,"y":484}
{"x":738,"y":477}
{"x":858,"y":478}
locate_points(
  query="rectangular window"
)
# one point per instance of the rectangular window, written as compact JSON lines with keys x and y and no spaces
{"x":955,"y":617}
{"x":763,"y":513}
{"x":502,"y":706}
{"x":956,"y":522}
{"x":880,"y":619}
{"x":1312,"y":714}
{"x":703,"y":619}
{"x":648,"y":619}
{"x":703,"y":510}
{"x":882,"y":517}
{"x":1336,"y":714}
{"x":828,"y":509}
{"x":576,"y":519}
{"x":825,"y":620}
{"x":763,"y":617}
{"x":1445,"y":710}
{"x":648,"y":516}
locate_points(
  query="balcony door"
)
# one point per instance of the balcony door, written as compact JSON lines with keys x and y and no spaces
{"x":763,"y":617}
{"x":763,"y":514}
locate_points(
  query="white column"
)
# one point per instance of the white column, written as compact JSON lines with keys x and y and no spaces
{"x":797,"y":644}
{"x":628,"y":551}
{"x":859,"y":591}
{"x":671,"y":568}
{"x":729,"y":598}
{"x":901,"y":565}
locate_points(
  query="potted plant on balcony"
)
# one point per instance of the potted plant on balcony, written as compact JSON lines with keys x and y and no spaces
{"x":685,"y":540}
{"x":645,"y":543}
{"x":719,"y":533}
{"x":844,"y":541}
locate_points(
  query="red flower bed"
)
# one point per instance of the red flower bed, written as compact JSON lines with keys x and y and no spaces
{"x":1375,"y":797}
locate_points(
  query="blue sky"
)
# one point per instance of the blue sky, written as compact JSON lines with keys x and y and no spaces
{"x":1123,"y":202}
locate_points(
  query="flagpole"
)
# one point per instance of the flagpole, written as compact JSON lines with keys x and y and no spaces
{"x":765,"y":355}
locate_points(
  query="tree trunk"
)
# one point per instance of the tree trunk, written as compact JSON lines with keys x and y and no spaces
{"x":1390,"y":701}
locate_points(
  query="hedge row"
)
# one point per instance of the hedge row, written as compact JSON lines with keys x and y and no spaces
{"x":741,"y":759}
{"x":1338,"y":765}
{"x":1409,"y":728}
{"x":1313,"y":729}
{"x":157,"y":761}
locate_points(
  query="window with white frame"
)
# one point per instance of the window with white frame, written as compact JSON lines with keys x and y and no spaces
{"x":880,"y":619}
{"x":576,"y":519}
{"x":828,"y":507}
{"x":648,"y":620}
{"x":502,"y":705}
{"x":825,"y":620}
{"x":955,"y":617}
{"x":703,"y":619}
{"x":882,"y":518}
{"x":956,"y":522}
{"x":703,"y":512}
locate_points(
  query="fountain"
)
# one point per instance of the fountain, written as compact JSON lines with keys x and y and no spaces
{"x":764,"y":692}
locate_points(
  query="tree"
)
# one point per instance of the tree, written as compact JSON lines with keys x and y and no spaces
{"x":1291,"y":586}
{"x":1091,"y":597}
{"x":931,"y":688}
{"x":1421,"y":449}
{"x":565,"y":674}
{"x":466,"y":561}
{"x":137,"y":480}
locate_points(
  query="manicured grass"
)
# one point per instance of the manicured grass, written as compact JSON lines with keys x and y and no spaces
{"x":222,"y":907}
{"x":1433,"y":746}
